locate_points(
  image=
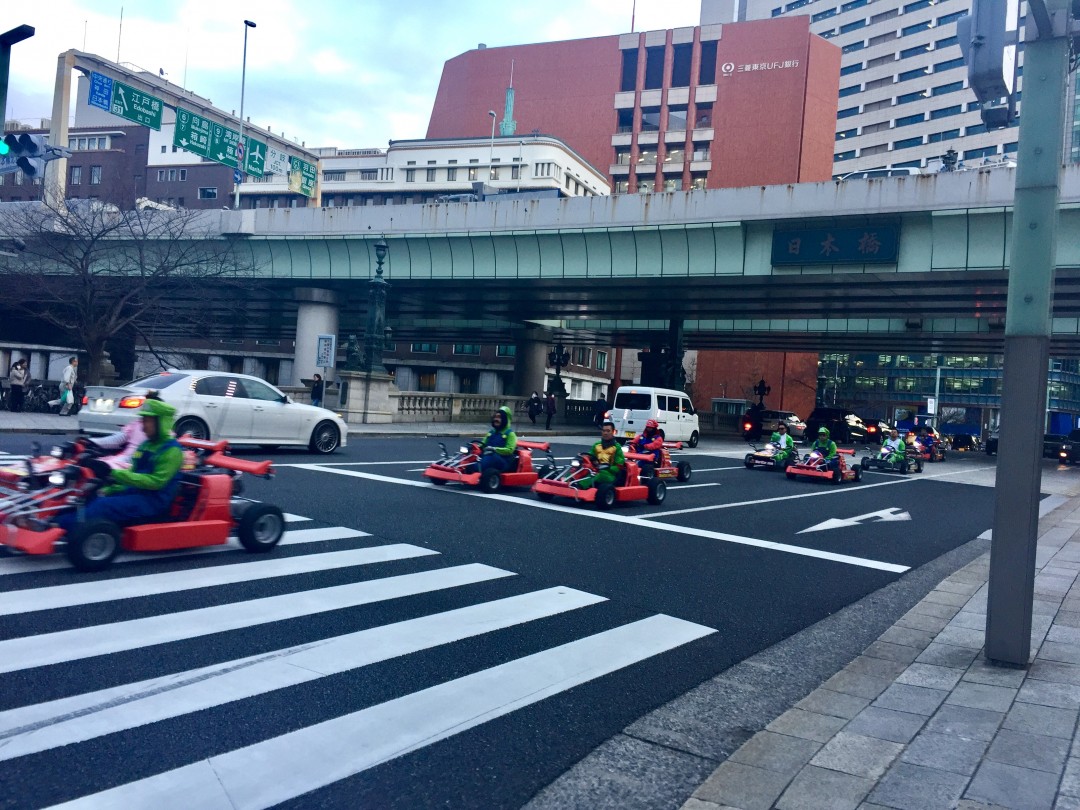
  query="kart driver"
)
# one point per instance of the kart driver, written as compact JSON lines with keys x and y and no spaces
{"x":609,"y":458}
{"x":827,"y":448}
{"x":894,"y":449}
{"x":926,"y":440}
{"x":502,"y":441}
{"x":649,"y":442}
{"x":785,"y":445}
{"x":145,"y":491}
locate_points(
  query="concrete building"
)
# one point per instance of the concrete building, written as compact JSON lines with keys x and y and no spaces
{"x":712,"y":106}
{"x":903,"y":94}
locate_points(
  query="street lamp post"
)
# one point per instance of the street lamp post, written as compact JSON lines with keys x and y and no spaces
{"x":375,"y":334}
{"x":559,"y":358}
{"x":491,"y":151}
{"x":240,"y":151}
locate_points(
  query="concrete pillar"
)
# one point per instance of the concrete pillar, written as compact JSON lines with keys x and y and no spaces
{"x":530,"y":360}
{"x":317,"y":314}
{"x":445,"y":381}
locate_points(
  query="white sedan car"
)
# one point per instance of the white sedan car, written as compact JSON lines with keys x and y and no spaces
{"x":217,"y":405}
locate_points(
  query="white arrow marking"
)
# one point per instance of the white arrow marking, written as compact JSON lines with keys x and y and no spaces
{"x":881,"y":516}
{"x":123,"y":98}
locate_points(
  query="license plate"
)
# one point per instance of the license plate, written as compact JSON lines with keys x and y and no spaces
{"x":103,"y":405}
{"x":629,"y":434}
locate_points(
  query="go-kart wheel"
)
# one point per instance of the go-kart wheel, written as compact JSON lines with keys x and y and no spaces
{"x":858,"y":473}
{"x":919,"y":466}
{"x":657,"y":491}
{"x":92,"y":546}
{"x":749,"y":461}
{"x":837,"y":477}
{"x":490,"y":481}
{"x":190,"y":426}
{"x":865,"y":463}
{"x":261,"y":527}
{"x":685,"y":472}
{"x":942,"y":456}
{"x":545,"y":471}
{"x":324,"y":439}
{"x":693,"y":440}
{"x":439,"y":482}
{"x":904,"y":467}
{"x":605,"y":496}
{"x":545,"y":496}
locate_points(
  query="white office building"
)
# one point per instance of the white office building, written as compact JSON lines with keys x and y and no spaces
{"x":904,"y":99}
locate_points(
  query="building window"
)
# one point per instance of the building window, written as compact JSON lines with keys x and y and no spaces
{"x":853,"y":4}
{"x":629,"y":70}
{"x":622,"y":186}
{"x":647,"y":155}
{"x":908,"y":75}
{"x":677,"y":117}
{"x":410,"y":175}
{"x":944,"y":43}
{"x":601,"y":361}
{"x":910,"y":7}
{"x":583,"y":356}
{"x":697,"y":181}
{"x":76,"y":175}
{"x":646,"y":186}
{"x":887,"y":59}
{"x":951,"y":87}
{"x":625,"y":121}
{"x":429,"y":175}
{"x":207,"y":193}
{"x":849,"y":69}
{"x":506,"y":351}
{"x":908,"y":98}
{"x":336,"y":175}
{"x":622,"y":156}
{"x":847,"y":133}
{"x":850,"y":91}
{"x":986,"y":151}
{"x":947,"y":135}
{"x":914,"y":29}
{"x":650,"y":119}
{"x":473,"y":168}
{"x":877,"y":105}
{"x":451,"y":173}
{"x":673,"y":184}
{"x":854,"y":46}
{"x":918,"y":49}
{"x":95,"y":175}
{"x":847,"y":113}
{"x":494,"y":170}
{"x":183,"y":174}
{"x":853,"y":26}
{"x":424,"y":348}
{"x":466,"y":348}
{"x":945,"y":112}
{"x":885,"y":15}
{"x":949,"y":64}
{"x":839,"y":156}
{"x":368,"y":174}
{"x":823,"y":15}
{"x":515,"y":170}
{"x":870,"y":129}
{"x":948,"y":18}
{"x":884,"y":81}
{"x":161,"y":175}
{"x":680,"y":66}
{"x":907,"y":143}
{"x":703,"y":114}
{"x":654,"y":68}
{"x":873,"y":150}
{"x":164,"y":149}
{"x":975,"y":129}
{"x":908,"y":120}
{"x":707,"y":70}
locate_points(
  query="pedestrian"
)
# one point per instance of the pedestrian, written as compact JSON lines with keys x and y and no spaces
{"x":19,"y":380}
{"x":600,"y":409}
{"x":317,"y":391}
{"x":549,"y":409}
{"x":535,"y":406}
{"x":67,"y":386}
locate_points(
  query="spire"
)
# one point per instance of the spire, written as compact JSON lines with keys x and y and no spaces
{"x":508,"y":126}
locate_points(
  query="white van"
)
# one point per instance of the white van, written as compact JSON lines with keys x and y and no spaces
{"x":635,"y":404}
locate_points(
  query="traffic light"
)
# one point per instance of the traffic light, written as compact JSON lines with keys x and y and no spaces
{"x":30,"y":152}
{"x":988,"y":39}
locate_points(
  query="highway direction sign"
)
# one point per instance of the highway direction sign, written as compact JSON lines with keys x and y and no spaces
{"x":302,"y":177}
{"x":192,"y":132}
{"x":219,"y":143}
{"x":135,"y":105}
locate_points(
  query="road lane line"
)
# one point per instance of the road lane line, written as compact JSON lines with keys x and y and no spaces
{"x":291,"y":518}
{"x":719,"y":469}
{"x":632,"y":521}
{"x":33,"y":564}
{"x":56,"y":723}
{"x":837,"y":491}
{"x":281,"y":768}
{"x":87,"y":593}
{"x":692,"y":486}
{"x":85,"y":642}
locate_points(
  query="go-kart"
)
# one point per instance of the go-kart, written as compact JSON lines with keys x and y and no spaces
{"x":665,"y":468}
{"x":911,"y":462}
{"x":464,"y":468}
{"x":205,"y":512}
{"x":566,"y":482}
{"x":769,"y":457}
{"x":936,"y":451}
{"x":813,"y":465}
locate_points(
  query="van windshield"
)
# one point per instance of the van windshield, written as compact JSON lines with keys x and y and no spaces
{"x":627,"y":400}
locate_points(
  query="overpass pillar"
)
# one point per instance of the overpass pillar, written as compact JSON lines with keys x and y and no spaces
{"x":317,"y":314}
{"x":530,"y":360}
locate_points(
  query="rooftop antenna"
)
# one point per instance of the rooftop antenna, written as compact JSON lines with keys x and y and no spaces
{"x":633,"y":15}
{"x":187,"y":48}
{"x":119,"y":35}
{"x":85,"y":24}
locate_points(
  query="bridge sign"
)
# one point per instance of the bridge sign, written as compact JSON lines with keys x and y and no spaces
{"x":302,"y":177}
{"x":857,"y":244}
{"x":135,"y":105}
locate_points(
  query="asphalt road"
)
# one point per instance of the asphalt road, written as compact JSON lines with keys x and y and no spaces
{"x":521,"y":635}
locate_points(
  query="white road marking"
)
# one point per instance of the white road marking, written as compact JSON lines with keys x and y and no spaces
{"x":632,"y":521}
{"x":291,"y":518}
{"x":33,"y":564}
{"x":718,"y":469}
{"x":357,"y":463}
{"x":85,"y":642}
{"x":692,"y":486}
{"x":882,"y":515}
{"x":833,"y":490}
{"x":87,"y":593}
{"x":276,"y":770}
{"x":75,"y":719}
{"x":1046,"y":506}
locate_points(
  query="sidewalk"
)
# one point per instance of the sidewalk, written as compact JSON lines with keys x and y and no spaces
{"x":921,"y":720}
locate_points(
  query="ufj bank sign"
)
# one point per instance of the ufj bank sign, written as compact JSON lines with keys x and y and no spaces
{"x":730,"y":68}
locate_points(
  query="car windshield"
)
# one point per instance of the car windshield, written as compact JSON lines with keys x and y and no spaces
{"x":631,"y":400}
{"x":158,"y":381}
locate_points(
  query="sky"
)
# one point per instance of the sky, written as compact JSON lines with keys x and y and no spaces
{"x":345,"y":73}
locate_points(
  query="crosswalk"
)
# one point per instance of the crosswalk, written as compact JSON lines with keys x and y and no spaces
{"x":368,"y":605}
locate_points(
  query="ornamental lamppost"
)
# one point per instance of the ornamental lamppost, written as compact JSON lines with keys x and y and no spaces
{"x":761,"y":390}
{"x":375,"y":334}
{"x":558,"y":358}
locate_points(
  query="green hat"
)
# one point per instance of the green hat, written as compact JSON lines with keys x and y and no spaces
{"x":162,"y":411}
{"x":824,"y":430}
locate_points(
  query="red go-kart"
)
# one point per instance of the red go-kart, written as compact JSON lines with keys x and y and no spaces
{"x":935,"y":452}
{"x":814,"y":466}
{"x":565,"y":482}
{"x":666,"y":468}
{"x":205,"y":512}
{"x":463,"y":467}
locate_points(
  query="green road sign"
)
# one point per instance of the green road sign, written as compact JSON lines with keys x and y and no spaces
{"x":254,"y":156}
{"x":302,"y":177}
{"x":192,"y":132}
{"x":135,"y":105}
{"x":223,"y":141}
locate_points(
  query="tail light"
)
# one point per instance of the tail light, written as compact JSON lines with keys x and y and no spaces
{"x":746,"y":426}
{"x":85,"y":399}
{"x":132,"y":402}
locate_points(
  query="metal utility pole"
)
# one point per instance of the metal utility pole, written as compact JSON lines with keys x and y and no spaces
{"x":7,"y":39}
{"x":1027,"y":333}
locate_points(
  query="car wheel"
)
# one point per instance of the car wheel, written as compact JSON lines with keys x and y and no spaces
{"x":919,"y":466}
{"x":325,"y":438}
{"x":693,"y":440}
{"x":685,"y":471}
{"x":261,"y":527}
{"x":439,"y":482}
{"x":490,"y":481}
{"x":865,"y":463}
{"x":837,"y":477}
{"x":657,"y":491}
{"x":605,"y":496}
{"x":748,"y":461}
{"x":193,"y":427}
{"x":93,"y":546}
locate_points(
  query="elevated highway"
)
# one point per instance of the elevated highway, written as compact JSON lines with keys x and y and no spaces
{"x":806,"y":266}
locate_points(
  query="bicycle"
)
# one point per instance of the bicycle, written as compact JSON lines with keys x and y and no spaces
{"x":38,"y":397}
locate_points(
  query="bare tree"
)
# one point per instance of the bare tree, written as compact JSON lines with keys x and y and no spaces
{"x":951,"y":416}
{"x":91,"y":270}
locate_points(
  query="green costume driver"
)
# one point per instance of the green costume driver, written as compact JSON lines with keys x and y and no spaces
{"x":607,"y":452}
{"x":827,"y":448}
{"x":784,"y":443}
